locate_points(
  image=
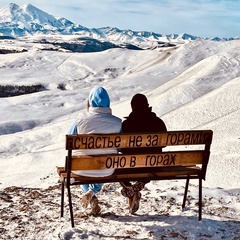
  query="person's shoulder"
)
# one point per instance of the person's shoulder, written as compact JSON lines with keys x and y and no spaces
{"x":159,"y":121}
{"x":128,"y":121}
{"x":116,"y":118}
{"x":158,"y":118}
{"x":84,"y":116}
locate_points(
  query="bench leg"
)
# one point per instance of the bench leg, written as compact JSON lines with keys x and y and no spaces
{"x":70,"y":206}
{"x":200,"y":200}
{"x":185,"y":193}
{"x":62,"y":199}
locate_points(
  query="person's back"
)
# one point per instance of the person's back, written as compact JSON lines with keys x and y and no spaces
{"x":98,"y":119}
{"x":142,"y":119}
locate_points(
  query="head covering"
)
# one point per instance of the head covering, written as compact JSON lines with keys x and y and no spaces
{"x":98,"y":97}
{"x":139,"y":101}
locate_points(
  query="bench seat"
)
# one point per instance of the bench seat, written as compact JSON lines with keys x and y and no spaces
{"x":160,"y":173}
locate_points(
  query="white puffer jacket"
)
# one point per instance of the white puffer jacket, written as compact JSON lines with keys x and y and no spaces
{"x":97,"y":120}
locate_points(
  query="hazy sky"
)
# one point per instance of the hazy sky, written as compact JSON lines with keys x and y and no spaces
{"x":203,"y":18}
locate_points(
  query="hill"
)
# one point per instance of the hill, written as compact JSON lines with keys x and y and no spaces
{"x":190,"y":85}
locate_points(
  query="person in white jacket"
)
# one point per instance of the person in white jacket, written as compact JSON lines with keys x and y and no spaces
{"x":98,"y":119}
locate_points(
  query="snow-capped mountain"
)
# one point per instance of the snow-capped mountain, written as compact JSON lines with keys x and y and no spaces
{"x":17,"y":21}
{"x":27,"y":16}
{"x":27,"y":20}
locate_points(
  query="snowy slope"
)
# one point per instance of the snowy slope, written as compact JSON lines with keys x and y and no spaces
{"x":189,"y":90}
{"x":190,"y":86}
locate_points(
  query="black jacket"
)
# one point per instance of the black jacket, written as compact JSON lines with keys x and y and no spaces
{"x":143,"y":120}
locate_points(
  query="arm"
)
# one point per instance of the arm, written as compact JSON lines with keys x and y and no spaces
{"x":73,"y":128}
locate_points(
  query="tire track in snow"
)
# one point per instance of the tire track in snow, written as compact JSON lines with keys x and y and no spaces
{"x":72,"y":70}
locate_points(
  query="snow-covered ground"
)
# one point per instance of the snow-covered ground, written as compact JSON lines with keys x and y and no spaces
{"x":191,"y":86}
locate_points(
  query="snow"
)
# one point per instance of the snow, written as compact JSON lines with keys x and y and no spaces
{"x":27,"y":15}
{"x":190,"y":86}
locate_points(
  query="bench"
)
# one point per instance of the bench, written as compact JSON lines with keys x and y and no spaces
{"x":185,"y":156}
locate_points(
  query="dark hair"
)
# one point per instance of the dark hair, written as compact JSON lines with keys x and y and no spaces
{"x":139,"y":101}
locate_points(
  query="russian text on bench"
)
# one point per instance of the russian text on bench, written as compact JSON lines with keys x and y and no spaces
{"x":188,"y":164}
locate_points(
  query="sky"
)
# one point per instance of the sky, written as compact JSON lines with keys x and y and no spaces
{"x":202,"y":18}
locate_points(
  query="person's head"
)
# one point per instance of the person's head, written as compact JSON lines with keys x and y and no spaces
{"x":98,"y":97}
{"x":139,"y":102}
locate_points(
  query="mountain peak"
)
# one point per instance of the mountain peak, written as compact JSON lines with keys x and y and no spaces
{"x":6,"y":13}
{"x":29,"y":7}
{"x":27,"y":19}
{"x":13,"y":6}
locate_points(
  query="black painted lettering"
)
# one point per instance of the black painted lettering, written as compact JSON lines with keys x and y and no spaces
{"x":152,"y":140}
{"x":115,"y":162}
{"x":135,"y":141}
{"x":187,"y":138}
{"x":173,"y":158}
{"x":110,"y":143}
{"x":122,"y":162}
{"x":159,"y":160}
{"x":153,"y":160}
{"x":104,"y":141}
{"x":173,"y":139}
{"x":180,"y":138}
{"x":166,"y":160}
{"x":117,"y":141}
{"x":76,"y":143}
{"x":109,"y":162}
{"x":131,"y":141}
{"x":139,"y":141}
{"x":148,"y":144}
{"x":84,"y":142}
{"x":91,"y":142}
{"x":133,"y":161}
{"x":195,"y":138}
{"x":98,"y":145}
{"x":202,"y":138}
{"x":146,"y":162}
{"x":155,"y":140}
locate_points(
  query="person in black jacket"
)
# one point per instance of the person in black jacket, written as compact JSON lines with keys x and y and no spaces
{"x":141,"y":119}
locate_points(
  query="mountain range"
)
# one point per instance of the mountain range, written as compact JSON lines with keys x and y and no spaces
{"x":27,"y":20}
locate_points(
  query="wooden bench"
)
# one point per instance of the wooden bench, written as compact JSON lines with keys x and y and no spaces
{"x":185,"y":156}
